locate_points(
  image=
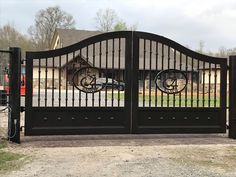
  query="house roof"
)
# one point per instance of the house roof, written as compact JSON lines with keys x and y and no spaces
{"x":71,"y":36}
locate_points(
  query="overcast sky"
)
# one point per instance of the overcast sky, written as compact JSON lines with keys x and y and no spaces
{"x":185,"y":21}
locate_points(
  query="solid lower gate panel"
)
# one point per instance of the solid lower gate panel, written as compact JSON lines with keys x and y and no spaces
{"x":64,"y":121}
{"x":172,"y":120}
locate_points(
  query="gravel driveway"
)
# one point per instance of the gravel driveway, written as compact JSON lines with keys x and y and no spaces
{"x":128,"y":155}
{"x":211,"y":155}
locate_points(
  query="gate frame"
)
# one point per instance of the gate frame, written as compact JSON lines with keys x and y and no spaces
{"x":14,"y":96}
{"x":232,"y":97}
{"x":14,"y":93}
{"x":133,"y":54}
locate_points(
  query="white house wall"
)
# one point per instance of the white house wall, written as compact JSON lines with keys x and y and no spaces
{"x":43,"y":76}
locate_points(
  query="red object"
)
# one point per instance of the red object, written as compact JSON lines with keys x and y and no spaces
{"x":22,"y":86}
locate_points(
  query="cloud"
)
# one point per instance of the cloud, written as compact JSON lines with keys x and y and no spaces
{"x":185,"y":21}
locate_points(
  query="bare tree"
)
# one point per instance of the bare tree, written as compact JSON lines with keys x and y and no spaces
{"x":222,"y":52}
{"x":106,"y":19}
{"x":231,"y":51}
{"x":134,"y":27}
{"x":9,"y":36}
{"x":201,"y":47}
{"x":46,"y":21}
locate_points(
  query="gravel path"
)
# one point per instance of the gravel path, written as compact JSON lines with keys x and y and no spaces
{"x":128,"y":155}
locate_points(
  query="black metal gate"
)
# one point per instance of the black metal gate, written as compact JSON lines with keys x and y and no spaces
{"x":124,"y":82}
{"x":10,"y":90}
{"x":176,"y":90}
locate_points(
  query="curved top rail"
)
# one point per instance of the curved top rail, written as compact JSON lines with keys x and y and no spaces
{"x":179,"y":47}
{"x":77,"y":46}
{"x":124,"y":34}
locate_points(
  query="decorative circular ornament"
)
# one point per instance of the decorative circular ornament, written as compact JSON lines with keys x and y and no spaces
{"x":85,"y":80}
{"x":171,"y":81}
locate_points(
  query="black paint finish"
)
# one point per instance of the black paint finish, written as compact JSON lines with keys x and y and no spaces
{"x":131,"y":118}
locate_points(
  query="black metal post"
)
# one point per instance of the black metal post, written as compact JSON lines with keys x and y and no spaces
{"x":14,"y":95}
{"x":232,"y":97}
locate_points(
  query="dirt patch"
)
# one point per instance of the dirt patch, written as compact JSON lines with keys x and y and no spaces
{"x":128,"y":155}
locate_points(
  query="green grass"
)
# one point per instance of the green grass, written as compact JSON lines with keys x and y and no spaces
{"x":3,"y":144}
{"x":166,"y":100}
{"x":10,"y":161}
{"x":180,"y":101}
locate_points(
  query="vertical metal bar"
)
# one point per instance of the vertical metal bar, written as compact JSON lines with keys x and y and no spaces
{"x":66,"y":79}
{"x":162,"y":67}
{"x":73,"y":87}
{"x":156,"y":100}
{"x":144,"y":57}
{"x":80,"y":54}
{"x":29,"y":93}
{"x":203,"y":86}
{"x":192,"y":83}
{"x":198,"y":83}
{"x":59,"y":81}
{"x":150,"y":74}
{"x":209,"y":85}
{"x":180,"y":68}
{"x":98,"y":73}
{"x":232,"y":96}
{"x":86,"y":94}
{"x":174,"y":68}
{"x":186,"y":88}
{"x":46,"y":81}
{"x":100,"y":58}
{"x":53,"y":70}
{"x":215,"y":76}
{"x":132,"y":92}
{"x":39,"y":76}
{"x":168,"y":67}
{"x":119,"y":51}
{"x":223,"y":94}
{"x":14,"y":97}
{"x":106,"y":72}
{"x":112,"y":91}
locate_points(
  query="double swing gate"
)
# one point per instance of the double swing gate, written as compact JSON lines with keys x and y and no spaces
{"x":124,"y":82}
{"x":127,"y":82}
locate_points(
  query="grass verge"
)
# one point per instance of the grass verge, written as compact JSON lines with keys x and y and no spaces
{"x":10,"y":161}
{"x":3,"y":144}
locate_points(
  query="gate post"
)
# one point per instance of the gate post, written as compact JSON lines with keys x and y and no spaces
{"x":14,"y":95}
{"x":232,"y":97}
